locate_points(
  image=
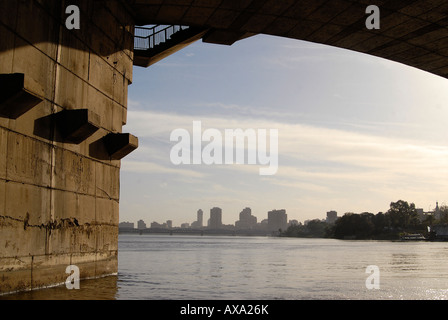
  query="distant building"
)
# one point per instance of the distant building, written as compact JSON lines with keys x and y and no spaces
{"x":215,"y":221}
{"x":332,"y":216}
{"x":126,"y":225}
{"x":156,"y":225}
{"x":169,"y":224}
{"x":436,"y":213}
{"x":263,"y":225}
{"x":141,"y":225}
{"x":420,"y":213}
{"x":247,"y":220}
{"x":200,"y":218}
{"x":277,"y":219}
{"x":195,"y":224}
{"x":185,"y":225}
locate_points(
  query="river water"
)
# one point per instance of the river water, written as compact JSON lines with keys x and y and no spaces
{"x":263,"y":268}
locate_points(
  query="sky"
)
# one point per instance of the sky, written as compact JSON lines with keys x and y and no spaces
{"x":355,"y":132}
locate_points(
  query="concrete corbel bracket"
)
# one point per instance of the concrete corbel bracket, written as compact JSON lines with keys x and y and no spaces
{"x":77,"y":125}
{"x":119,"y":145}
{"x":15,"y":99}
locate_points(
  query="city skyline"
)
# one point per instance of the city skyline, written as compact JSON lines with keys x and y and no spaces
{"x":355,"y":132}
{"x":248,"y":221}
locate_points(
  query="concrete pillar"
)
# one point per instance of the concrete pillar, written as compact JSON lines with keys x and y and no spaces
{"x":59,"y":201}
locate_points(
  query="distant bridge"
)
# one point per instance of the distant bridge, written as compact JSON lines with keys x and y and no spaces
{"x":202,"y":232}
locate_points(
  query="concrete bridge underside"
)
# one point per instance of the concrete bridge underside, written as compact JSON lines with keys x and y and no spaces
{"x":63,"y":106}
{"x":413,"y":32}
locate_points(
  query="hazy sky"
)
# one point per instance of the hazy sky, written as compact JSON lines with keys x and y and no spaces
{"x":356,"y":132}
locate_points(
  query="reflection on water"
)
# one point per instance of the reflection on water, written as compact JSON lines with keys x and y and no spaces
{"x":154,"y":267}
{"x":105,"y":288}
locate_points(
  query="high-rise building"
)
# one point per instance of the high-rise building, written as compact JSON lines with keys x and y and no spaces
{"x":215,"y":221}
{"x":247,"y":220}
{"x":200,"y":218}
{"x":141,"y":225}
{"x":199,"y":222}
{"x":277,"y":220}
{"x":331,"y":216}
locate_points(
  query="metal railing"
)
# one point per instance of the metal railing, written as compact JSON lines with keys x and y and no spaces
{"x":148,"y":37}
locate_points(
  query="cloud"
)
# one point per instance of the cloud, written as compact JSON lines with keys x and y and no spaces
{"x":347,"y":168}
{"x":153,"y":168}
{"x":306,"y":152}
{"x":355,"y":131}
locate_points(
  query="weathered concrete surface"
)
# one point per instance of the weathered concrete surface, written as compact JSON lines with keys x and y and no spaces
{"x":58,"y":199}
{"x":413,"y":32}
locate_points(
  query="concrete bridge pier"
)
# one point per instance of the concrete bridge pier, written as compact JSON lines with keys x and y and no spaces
{"x":63,"y":105}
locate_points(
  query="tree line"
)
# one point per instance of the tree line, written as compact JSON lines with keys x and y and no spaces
{"x":402,"y":217}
